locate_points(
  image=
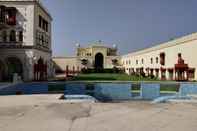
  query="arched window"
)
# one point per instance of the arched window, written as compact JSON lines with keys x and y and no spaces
{"x":142,"y":61}
{"x":157,"y":60}
{"x":4,"y":36}
{"x":162,"y":58}
{"x":136,"y":62}
{"x":13,"y":36}
{"x":151,"y":60}
{"x":20,"y":36}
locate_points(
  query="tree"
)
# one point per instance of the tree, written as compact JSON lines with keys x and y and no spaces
{"x":114,"y":62}
{"x":84,"y":62}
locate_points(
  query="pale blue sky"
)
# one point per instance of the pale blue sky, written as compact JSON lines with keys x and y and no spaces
{"x":131,"y":24}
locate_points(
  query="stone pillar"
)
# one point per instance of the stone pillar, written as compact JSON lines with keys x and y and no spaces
{"x":28,"y":69}
{"x":8,"y":36}
{"x":167,"y":75}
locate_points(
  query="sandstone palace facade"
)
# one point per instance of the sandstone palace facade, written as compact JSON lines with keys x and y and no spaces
{"x":173,"y":60}
{"x":96,"y":56}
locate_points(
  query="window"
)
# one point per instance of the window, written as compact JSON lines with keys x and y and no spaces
{"x":157,"y":60}
{"x":20,"y":36}
{"x":43,"y":24}
{"x":42,"y":39}
{"x":47,"y":26}
{"x":11,"y":16}
{"x":4,"y":36}
{"x":13,"y":36}
{"x":142,"y":61}
{"x":40,"y":21}
{"x":136,"y":62}
{"x":151,"y":60}
{"x":162,"y":58}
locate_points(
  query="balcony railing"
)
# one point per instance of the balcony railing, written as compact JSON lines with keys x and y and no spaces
{"x":11,"y":44}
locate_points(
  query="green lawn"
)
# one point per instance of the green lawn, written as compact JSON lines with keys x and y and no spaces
{"x":109,"y":77}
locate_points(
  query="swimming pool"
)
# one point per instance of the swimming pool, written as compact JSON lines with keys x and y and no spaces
{"x":103,"y":90}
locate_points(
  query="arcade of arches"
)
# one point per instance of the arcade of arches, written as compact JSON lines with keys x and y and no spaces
{"x":40,"y":70}
{"x":9,"y":67}
{"x":12,"y":65}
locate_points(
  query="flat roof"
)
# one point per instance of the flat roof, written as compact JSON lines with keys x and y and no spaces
{"x":177,"y":41}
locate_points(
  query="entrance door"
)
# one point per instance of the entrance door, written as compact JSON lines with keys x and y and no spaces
{"x":99,"y":61}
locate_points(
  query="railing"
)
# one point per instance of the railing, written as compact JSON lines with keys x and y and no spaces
{"x":10,"y":44}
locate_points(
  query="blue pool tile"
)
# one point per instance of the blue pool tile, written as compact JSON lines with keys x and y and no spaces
{"x":187,"y":89}
{"x":149,"y":91}
{"x":110,"y":91}
{"x":75,"y":89}
{"x":25,"y":88}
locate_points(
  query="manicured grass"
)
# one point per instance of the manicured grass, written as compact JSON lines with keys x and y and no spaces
{"x":110,"y":77}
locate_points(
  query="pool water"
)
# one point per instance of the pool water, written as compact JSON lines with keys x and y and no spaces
{"x":103,"y":91}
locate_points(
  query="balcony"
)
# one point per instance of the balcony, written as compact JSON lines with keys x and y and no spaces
{"x":11,"y":44}
{"x":7,"y":16}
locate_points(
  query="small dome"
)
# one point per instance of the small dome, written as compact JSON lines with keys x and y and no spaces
{"x":77,"y":45}
{"x":114,"y":46}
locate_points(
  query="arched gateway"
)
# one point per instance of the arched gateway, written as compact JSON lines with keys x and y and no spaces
{"x":2,"y":71}
{"x":99,"y":60}
{"x":14,"y":65}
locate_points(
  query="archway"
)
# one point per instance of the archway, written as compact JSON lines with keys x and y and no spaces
{"x":14,"y":66}
{"x":99,"y":61}
{"x":2,"y":71}
{"x":40,"y":70}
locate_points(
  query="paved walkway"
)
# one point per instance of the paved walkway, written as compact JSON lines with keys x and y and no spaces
{"x":47,"y":113}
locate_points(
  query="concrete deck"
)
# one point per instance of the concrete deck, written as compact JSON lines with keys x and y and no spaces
{"x":47,"y":113}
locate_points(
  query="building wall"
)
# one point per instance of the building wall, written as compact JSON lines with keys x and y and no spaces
{"x":29,"y":52}
{"x":61,"y":63}
{"x":186,"y":46}
{"x":25,"y":20}
{"x":88,"y":53}
{"x":47,"y":34}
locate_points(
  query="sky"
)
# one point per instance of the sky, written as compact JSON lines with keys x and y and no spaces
{"x":130,"y":24}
